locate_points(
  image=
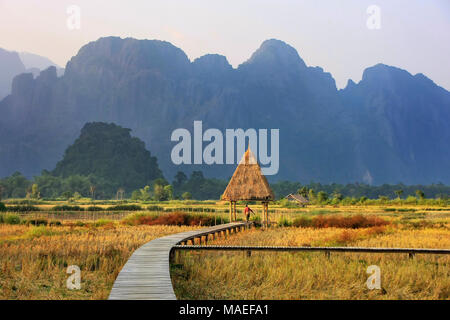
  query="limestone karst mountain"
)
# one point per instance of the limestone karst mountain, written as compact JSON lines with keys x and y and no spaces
{"x":390,"y":127}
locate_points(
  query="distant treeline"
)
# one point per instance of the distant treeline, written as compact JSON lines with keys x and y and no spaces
{"x":196,"y":186}
{"x":358,"y":190}
{"x":48,"y":186}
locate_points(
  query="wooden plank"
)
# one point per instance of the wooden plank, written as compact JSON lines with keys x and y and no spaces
{"x":146,"y":275}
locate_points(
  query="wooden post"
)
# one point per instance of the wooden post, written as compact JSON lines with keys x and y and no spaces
{"x":231,"y":211}
{"x":267,"y":213}
{"x":264,"y":218}
{"x":235,"y":211}
{"x":264,"y":215}
{"x":267,"y":218}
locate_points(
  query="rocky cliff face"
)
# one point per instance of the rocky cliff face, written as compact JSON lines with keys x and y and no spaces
{"x":408,"y":117}
{"x":10,"y":66}
{"x":389,"y":127}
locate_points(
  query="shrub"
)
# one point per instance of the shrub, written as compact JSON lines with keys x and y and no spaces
{"x":25,"y":201}
{"x":94,"y":208}
{"x":125,"y":207}
{"x":103,"y":222}
{"x":39,"y":231}
{"x":37,"y":222}
{"x":171,"y":219}
{"x":411,"y":200}
{"x":11,"y":219}
{"x":399,"y":209}
{"x":303,"y":222}
{"x":155,"y":208}
{"x":67,"y":208}
{"x":54,"y":223}
{"x":2,"y":207}
{"x":352,"y":222}
{"x":22,"y":208}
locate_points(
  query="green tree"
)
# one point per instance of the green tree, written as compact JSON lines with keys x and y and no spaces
{"x":168,"y":190}
{"x":136,"y":195}
{"x":145,"y":193}
{"x":49,"y":186}
{"x":399,"y":193}
{"x":66,"y":195}
{"x":338,"y":196}
{"x":303,"y":191}
{"x":15,"y":186}
{"x":92,"y":191}
{"x":311,"y":195}
{"x":35,"y":191}
{"x":420,"y":194}
{"x":180,"y":179}
{"x":322,"y":197}
{"x":186,"y":195}
{"x":162,"y":193}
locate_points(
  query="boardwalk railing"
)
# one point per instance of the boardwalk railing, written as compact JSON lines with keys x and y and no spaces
{"x":146,"y":275}
{"x":410,"y":251}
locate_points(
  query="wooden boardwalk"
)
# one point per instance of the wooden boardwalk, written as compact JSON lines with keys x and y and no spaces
{"x":146,"y":275}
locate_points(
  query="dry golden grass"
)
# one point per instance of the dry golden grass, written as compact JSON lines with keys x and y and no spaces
{"x":34,"y":260}
{"x":311,"y":275}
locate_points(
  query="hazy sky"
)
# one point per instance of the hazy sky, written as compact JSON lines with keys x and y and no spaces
{"x":414,"y":35}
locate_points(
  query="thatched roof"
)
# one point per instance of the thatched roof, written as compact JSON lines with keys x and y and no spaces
{"x":247,"y":182}
{"x":297,"y":197}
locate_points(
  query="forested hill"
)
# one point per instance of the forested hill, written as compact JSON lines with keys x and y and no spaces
{"x":109,"y":153}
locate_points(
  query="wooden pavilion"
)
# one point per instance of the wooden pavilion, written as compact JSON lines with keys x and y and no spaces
{"x":248,"y":184}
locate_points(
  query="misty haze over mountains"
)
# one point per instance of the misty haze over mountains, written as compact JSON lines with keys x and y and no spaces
{"x":390,"y":127}
{"x":14,"y":63}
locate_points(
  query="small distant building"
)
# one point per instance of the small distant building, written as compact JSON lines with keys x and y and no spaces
{"x":297,"y":198}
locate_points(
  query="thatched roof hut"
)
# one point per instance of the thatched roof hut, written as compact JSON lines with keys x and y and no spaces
{"x":297,"y":198}
{"x":247,"y":182}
